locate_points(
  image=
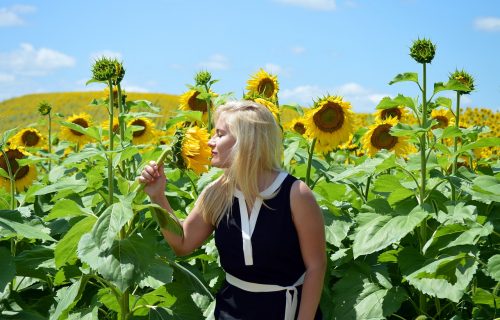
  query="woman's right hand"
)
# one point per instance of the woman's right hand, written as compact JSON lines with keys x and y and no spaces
{"x":153,"y":177}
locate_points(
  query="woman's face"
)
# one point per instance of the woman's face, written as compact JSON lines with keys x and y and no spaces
{"x":221,"y":143}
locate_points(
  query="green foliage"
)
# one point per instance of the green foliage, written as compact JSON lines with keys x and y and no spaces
{"x":407,"y":237}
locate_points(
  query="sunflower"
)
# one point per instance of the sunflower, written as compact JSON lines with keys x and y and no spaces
{"x":84,"y":121}
{"x":444,"y":118}
{"x":116,"y":126}
{"x":378,"y":137}
{"x":145,"y":135}
{"x":263,"y":84}
{"x":397,"y":112}
{"x":330,"y":121}
{"x":270,"y":106}
{"x":115,"y":96}
{"x":194,"y":149}
{"x":23,"y":176}
{"x":29,"y":137}
{"x":297,"y":125}
{"x":322,"y":148}
{"x":189,"y":101}
{"x":349,"y":145}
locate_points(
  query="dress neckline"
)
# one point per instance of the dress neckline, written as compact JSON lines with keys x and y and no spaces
{"x":270,"y":189}
{"x":248,"y":223}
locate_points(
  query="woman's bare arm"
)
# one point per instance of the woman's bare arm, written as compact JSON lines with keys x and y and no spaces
{"x":310,"y":227}
{"x":196,"y":229}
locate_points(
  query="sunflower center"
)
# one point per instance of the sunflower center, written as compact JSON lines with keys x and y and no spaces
{"x":266,"y":87}
{"x":330,"y":117}
{"x":30,"y":138}
{"x":197,"y":104}
{"x":382,"y":139}
{"x":299,"y":127}
{"x":442,"y":122}
{"x":82,"y":123}
{"x":13,"y":155}
{"x":142,"y":123}
{"x":391,"y":112}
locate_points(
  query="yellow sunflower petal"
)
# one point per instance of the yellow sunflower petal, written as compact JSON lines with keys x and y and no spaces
{"x":189,"y":101}
{"x":23,"y":175}
{"x":263,"y":84}
{"x":397,"y":112}
{"x":271,"y":106}
{"x":195,"y":150}
{"x":83,"y":120}
{"x":296,"y":125}
{"x":378,"y":137}
{"x":330,"y":121}
{"x":116,"y":127}
{"x":444,"y":118}
{"x":147,"y":134}
{"x":29,"y":138}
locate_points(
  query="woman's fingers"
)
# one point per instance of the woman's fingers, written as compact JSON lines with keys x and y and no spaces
{"x":150,"y":172}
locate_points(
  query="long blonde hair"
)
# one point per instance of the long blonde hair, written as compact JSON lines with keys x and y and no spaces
{"x":258,"y":149}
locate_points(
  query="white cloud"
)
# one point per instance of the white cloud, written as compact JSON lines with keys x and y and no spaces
{"x":215,"y":62}
{"x":273,"y":68}
{"x":5,"y":78}
{"x":11,"y":16}
{"x":298,"y":50}
{"x":27,"y":60}
{"x":351,"y":88}
{"x":321,"y":5}
{"x":362,"y":99}
{"x":487,"y":24}
{"x":105,"y":53}
{"x":301,"y":94}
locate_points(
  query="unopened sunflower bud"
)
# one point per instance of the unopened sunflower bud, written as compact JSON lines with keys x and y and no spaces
{"x":119,"y":72}
{"x":104,"y":69}
{"x":44,"y":108}
{"x":202,"y":78}
{"x":423,"y":50}
{"x":464,"y":78}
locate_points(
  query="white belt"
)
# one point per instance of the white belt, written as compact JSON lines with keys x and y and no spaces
{"x":291,"y":301}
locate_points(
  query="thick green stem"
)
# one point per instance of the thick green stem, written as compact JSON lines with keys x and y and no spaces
{"x":124,"y":299}
{"x":455,"y":147}
{"x":423,"y":176}
{"x":50,"y":141}
{"x":209,"y":111}
{"x":367,"y":188}
{"x":437,"y":304}
{"x":160,"y":159}
{"x":423,"y":140}
{"x":122,"y":128}
{"x":111,"y":139}
{"x":309,"y":163}
{"x":121,"y":109}
{"x":11,"y":180}
{"x":125,"y":305}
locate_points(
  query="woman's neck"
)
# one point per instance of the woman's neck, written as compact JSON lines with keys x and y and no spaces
{"x":265,"y":179}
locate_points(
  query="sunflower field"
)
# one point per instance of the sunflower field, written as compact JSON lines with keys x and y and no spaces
{"x":410,"y":196}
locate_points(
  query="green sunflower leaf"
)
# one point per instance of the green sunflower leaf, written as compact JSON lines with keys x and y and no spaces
{"x":494,"y":267}
{"x":407,"y":76}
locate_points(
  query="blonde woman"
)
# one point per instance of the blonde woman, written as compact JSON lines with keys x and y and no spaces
{"x":269,"y":230}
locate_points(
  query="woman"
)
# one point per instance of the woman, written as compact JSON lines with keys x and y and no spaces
{"x":269,"y":230}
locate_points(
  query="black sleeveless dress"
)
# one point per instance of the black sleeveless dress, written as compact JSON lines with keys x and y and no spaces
{"x":276,"y":256}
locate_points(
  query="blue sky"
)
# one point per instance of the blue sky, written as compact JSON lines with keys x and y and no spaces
{"x":351,"y":48}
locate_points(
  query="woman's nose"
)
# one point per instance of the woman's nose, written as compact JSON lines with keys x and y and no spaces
{"x":211,"y":143}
